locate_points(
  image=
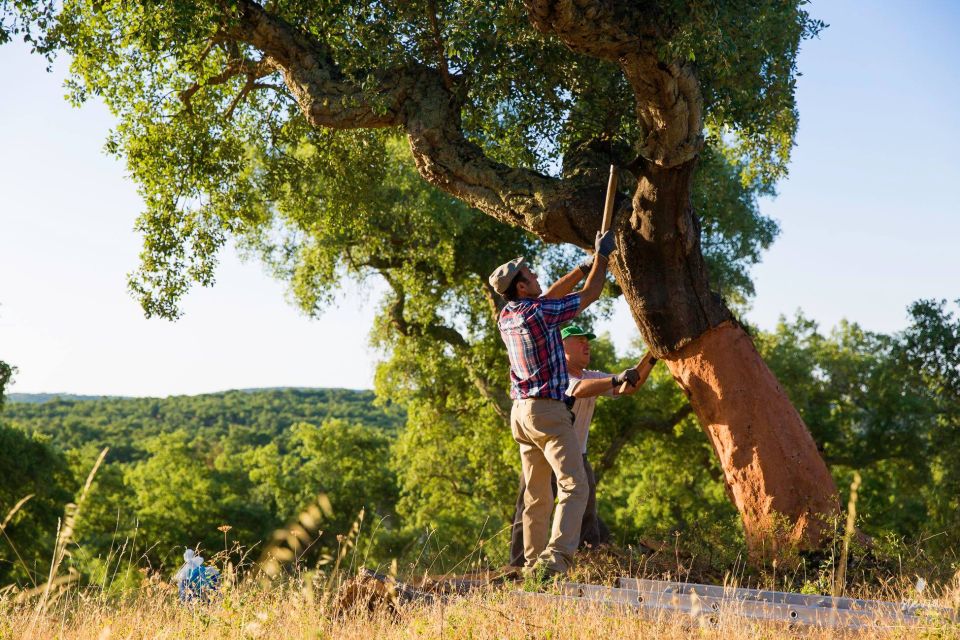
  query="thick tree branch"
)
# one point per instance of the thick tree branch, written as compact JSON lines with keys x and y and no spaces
{"x":669,"y":107}
{"x":326,"y":96}
{"x":606,"y":29}
{"x":416,"y":98}
{"x":669,"y":103}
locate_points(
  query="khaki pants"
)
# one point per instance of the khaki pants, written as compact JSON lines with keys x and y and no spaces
{"x":549,"y":446}
{"x":593,"y":530}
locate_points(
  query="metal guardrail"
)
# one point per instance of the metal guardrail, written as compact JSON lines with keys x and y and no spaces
{"x":783,"y":597}
{"x":709,"y":605}
{"x":712,"y":604}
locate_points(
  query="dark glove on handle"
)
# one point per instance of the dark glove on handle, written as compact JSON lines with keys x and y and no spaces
{"x":605,"y":243}
{"x":627,"y":375}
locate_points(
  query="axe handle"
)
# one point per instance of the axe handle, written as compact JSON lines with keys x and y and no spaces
{"x":611,"y":196}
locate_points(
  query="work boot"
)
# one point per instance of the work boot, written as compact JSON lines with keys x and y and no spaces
{"x":540,"y":577}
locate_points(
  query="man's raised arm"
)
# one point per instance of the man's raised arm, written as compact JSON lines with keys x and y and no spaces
{"x":604,"y":246}
{"x":564,"y":286}
{"x":643,"y":369}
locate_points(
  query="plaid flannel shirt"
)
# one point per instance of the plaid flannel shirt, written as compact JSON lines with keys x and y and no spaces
{"x":531,"y":330}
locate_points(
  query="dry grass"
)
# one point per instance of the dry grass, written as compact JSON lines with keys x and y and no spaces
{"x":303,"y":608}
{"x":287,"y":600}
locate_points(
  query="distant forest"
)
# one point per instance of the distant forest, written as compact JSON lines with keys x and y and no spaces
{"x":180,"y":467}
{"x":253,"y":417}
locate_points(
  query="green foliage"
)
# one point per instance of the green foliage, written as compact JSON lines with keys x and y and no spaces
{"x":177,"y":496}
{"x":745,"y":52}
{"x":881,"y":405}
{"x":181,"y":467}
{"x":31,"y":468}
{"x":458,"y":477}
{"x":734,"y":231}
{"x":248,"y":417}
{"x":349,"y":463}
{"x":6,"y":374}
{"x":440,"y":483}
{"x":34,"y":486}
{"x":667,"y":484}
{"x":216,"y":159}
{"x":931,"y":350}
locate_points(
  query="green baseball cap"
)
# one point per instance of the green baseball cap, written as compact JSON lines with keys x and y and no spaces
{"x":574,"y":330}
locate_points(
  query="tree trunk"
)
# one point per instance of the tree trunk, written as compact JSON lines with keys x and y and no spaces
{"x":775,"y":476}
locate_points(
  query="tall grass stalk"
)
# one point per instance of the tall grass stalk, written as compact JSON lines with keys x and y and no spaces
{"x":65,"y":536}
{"x":3,"y":530}
{"x":840,"y":584}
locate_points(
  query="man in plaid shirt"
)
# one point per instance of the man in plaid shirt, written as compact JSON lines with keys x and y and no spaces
{"x":540,"y":420}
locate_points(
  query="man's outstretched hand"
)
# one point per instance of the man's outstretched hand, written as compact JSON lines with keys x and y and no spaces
{"x":630,"y":376}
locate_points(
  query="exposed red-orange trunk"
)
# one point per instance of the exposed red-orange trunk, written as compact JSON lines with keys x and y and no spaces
{"x":775,"y":475}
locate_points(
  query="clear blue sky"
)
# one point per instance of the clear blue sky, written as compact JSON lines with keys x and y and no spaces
{"x":869,"y":219}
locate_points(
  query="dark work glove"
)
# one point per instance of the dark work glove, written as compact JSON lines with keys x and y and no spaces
{"x":627,"y":375}
{"x":605,"y":243}
{"x":586,"y":265}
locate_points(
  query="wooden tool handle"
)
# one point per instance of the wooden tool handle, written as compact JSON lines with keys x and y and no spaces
{"x":611,"y":196}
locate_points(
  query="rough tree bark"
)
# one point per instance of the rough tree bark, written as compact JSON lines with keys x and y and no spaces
{"x":775,"y":475}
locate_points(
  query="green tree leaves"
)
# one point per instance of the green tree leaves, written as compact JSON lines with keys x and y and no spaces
{"x":442,"y":476}
{"x":221,"y":149}
{"x":35,"y":469}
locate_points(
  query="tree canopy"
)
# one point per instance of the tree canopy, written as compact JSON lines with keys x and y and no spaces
{"x":281,"y":126}
{"x":222,"y":148}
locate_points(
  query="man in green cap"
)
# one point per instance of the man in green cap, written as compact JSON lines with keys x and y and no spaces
{"x":584,"y":387}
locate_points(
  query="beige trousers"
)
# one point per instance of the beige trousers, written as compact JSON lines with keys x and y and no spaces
{"x":548,"y":445}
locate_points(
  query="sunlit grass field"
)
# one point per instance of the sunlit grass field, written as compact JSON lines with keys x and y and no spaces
{"x":257,"y":601}
{"x":295,"y":609}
